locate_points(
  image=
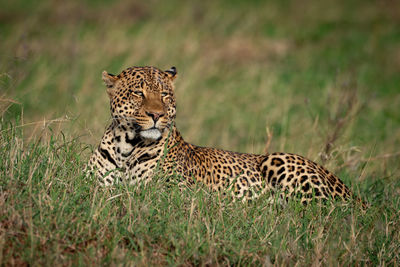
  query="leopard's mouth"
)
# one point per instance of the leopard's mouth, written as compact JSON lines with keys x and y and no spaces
{"x":152,"y":133}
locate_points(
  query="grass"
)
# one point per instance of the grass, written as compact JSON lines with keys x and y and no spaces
{"x":52,"y":214}
{"x":324,"y":81}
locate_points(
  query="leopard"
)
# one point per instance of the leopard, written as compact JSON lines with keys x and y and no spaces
{"x":142,"y":140}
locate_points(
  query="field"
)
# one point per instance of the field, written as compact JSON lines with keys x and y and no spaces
{"x":316,"y":78}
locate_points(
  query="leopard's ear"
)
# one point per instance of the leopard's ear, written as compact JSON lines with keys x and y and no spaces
{"x":110,"y":80}
{"x":172,"y":73}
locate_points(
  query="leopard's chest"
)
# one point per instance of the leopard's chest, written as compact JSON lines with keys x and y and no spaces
{"x":143,"y":163}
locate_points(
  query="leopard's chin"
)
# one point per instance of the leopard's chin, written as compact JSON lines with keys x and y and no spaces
{"x":153,"y":134}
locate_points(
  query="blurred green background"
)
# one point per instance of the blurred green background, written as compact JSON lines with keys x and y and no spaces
{"x":323,"y":76}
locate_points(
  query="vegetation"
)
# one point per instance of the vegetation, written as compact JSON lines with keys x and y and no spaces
{"x":323,"y":78}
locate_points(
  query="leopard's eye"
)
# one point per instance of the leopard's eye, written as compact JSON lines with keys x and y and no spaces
{"x":164,"y":94}
{"x":139,"y":93}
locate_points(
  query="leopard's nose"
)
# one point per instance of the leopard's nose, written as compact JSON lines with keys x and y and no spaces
{"x":155,"y":115}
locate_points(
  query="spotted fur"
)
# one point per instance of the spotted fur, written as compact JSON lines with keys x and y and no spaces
{"x":143,"y":138}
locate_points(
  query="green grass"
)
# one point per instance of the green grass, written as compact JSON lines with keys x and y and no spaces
{"x":323,"y":77}
{"x":52,"y":214}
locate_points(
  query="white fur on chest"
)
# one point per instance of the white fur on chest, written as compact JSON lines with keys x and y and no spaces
{"x":123,"y":146}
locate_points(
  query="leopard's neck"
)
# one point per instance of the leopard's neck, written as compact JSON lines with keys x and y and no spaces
{"x":129,"y":149}
{"x":124,"y":154}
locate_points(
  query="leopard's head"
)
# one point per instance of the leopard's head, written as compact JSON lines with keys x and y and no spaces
{"x":143,"y":96}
